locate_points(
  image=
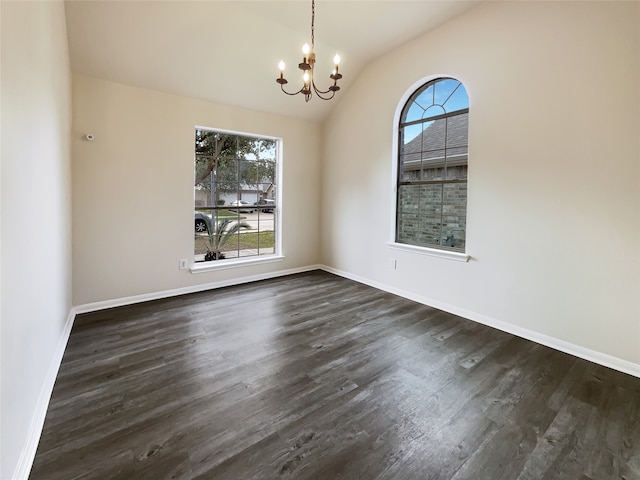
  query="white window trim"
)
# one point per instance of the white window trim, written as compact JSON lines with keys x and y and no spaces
{"x":203,"y":267}
{"x":277,"y":256}
{"x":433,"y":252}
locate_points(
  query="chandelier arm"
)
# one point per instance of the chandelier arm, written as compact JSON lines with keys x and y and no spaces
{"x":320,"y":94}
{"x":294,"y":93}
{"x":323,"y":92}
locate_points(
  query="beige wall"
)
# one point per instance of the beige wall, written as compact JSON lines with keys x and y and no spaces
{"x":554,"y":196}
{"x":36,"y":220}
{"x":133,"y":189}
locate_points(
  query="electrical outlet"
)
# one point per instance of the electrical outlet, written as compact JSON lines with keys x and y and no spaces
{"x":183,"y":264}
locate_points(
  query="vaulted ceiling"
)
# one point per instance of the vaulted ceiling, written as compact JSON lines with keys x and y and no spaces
{"x":228,"y":51}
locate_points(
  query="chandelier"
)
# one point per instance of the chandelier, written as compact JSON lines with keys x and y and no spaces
{"x":308,"y":62}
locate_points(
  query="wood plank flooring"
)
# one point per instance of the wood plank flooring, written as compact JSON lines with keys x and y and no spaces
{"x":313,"y":376}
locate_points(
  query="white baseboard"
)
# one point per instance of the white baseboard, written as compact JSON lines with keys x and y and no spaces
{"x":28,"y":454}
{"x":119,"y":302}
{"x":576,"y":350}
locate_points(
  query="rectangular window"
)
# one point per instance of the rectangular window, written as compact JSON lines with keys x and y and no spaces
{"x":236,"y":205}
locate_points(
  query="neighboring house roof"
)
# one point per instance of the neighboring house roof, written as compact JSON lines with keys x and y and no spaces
{"x":430,"y":148}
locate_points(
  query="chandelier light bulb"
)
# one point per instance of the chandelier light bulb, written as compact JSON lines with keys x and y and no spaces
{"x":305,"y":77}
{"x":281,"y":66}
{"x":336,"y":60}
{"x":306,"y":49}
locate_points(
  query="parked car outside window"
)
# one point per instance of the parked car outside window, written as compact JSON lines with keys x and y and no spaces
{"x":267,"y":205}
{"x":201,"y":221}
{"x":243,"y":207}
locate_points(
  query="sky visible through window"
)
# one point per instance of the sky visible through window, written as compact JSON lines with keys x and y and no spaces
{"x":444,"y":96}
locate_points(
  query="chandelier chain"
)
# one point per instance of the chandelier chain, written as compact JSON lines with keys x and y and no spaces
{"x":313,"y":21}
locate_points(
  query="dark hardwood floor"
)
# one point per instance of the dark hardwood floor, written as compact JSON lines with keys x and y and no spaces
{"x":313,"y":376}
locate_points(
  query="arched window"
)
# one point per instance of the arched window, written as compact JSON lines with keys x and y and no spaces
{"x":431,"y":207}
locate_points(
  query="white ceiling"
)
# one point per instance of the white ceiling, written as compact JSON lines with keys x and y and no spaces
{"x":228,"y":51}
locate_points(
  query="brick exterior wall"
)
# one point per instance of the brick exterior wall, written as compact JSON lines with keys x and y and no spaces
{"x":433,"y":214}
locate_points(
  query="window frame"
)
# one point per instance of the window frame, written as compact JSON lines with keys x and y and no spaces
{"x":442,"y":253}
{"x":277,"y":255}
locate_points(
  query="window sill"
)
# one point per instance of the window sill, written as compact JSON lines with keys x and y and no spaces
{"x":203,"y":267}
{"x":432,"y":252}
